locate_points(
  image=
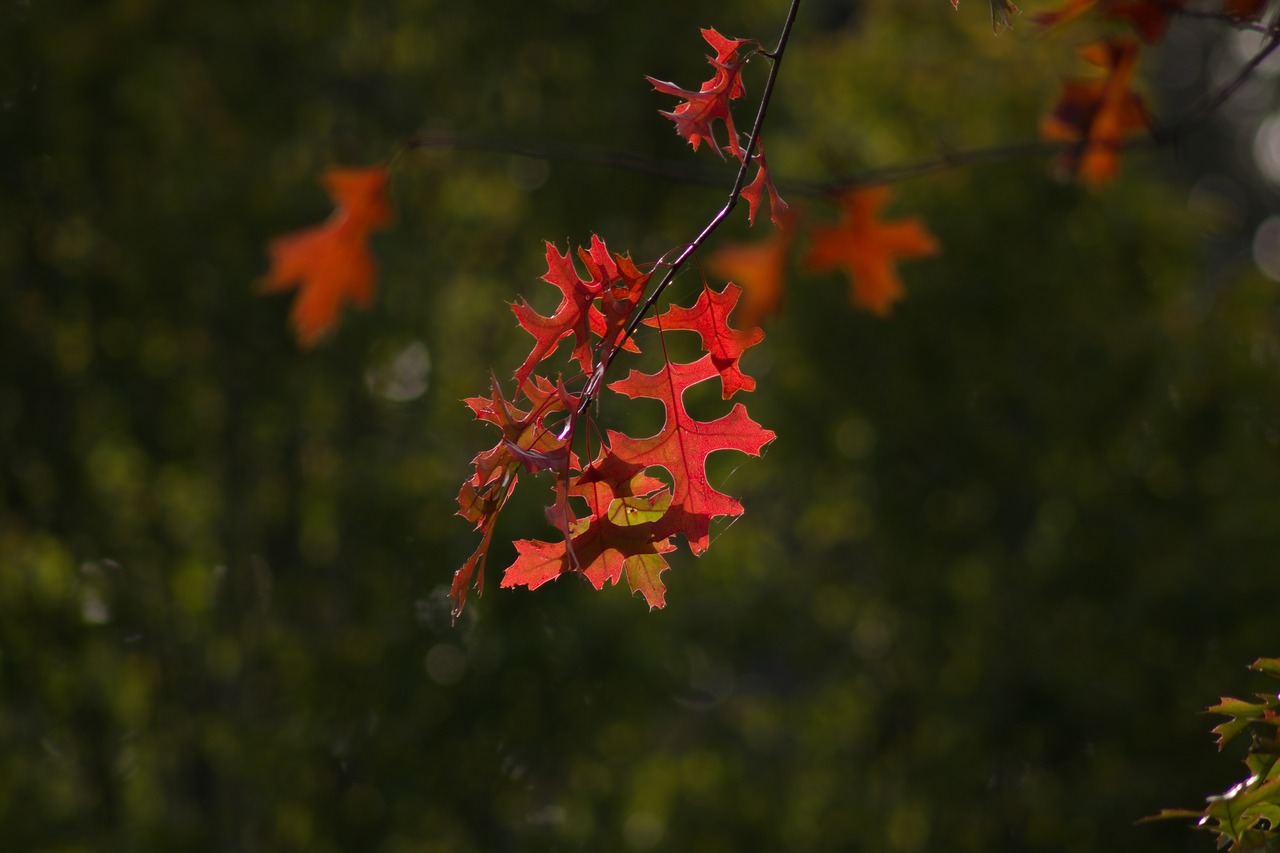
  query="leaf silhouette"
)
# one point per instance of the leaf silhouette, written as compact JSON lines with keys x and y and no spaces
{"x":867,"y":248}
{"x":330,"y":264}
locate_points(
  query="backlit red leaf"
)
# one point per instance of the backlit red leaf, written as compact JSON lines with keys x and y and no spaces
{"x":683,"y":445}
{"x":709,"y":317}
{"x":710,"y":103}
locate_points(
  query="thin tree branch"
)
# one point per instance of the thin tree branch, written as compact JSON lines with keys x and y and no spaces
{"x":1161,"y":137}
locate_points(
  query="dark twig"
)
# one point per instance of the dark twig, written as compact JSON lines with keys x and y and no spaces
{"x":1210,"y":105}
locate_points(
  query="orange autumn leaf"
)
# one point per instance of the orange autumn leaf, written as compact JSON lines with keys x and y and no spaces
{"x":867,"y":248}
{"x":330,"y":264}
{"x":1099,"y":114}
{"x":758,"y":268}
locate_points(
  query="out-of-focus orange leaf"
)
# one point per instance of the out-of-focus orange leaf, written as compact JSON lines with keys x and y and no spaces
{"x":330,"y":263}
{"x":683,"y":445}
{"x":759,"y":269}
{"x":867,"y":248}
{"x":1098,"y":113}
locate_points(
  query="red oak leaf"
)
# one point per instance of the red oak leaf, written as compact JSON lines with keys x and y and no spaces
{"x":752,"y":191}
{"x":528,"y":441}
{"x":615,"y":280}
{"x":622,"y":288}
{"x":682,"y":447}
{"x":711,"y":102}
{"x":330,"y":263}
{"x":867,"y":249}
{"x":760,"y":268}
{"x":1098,"y":114}
{"x":709,"y":317}
{"x":618,"y":534}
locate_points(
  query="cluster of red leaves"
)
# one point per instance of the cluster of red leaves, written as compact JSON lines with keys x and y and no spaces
{"x":613,"y":517}
{"x":330,"y":264}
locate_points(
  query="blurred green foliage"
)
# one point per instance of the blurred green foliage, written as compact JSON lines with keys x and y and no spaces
{"x":1007,"y":543}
